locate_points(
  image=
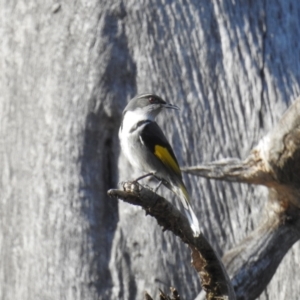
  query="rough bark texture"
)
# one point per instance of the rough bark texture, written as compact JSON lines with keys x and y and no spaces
{"x":274,"y":162}
{"x":212,"y":274}
{"x":67,"y":71}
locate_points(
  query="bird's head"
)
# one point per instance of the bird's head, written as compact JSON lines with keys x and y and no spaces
{"x":149,"y":105}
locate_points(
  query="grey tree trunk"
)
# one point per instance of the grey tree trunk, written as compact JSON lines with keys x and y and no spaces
{"x":67,"y":71}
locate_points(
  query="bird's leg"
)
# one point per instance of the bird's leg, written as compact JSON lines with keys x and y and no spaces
{"x":150,"y":174}
{"x":144,"y":176}
{"x":157,"y":187}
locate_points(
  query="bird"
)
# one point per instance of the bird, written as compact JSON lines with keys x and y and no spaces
{"x":147,"y":149}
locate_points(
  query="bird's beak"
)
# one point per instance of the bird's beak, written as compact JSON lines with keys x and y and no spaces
{"x":171,"y":106}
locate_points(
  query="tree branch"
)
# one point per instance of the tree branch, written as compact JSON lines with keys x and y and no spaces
{"x":162,"y":296}
{"x":214,"y":278}
{"x":254,"y":261}
{"x":249,"y":171}
{"x":275,"y":163}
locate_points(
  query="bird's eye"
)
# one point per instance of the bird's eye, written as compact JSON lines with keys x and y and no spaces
{"x":151,"y":100}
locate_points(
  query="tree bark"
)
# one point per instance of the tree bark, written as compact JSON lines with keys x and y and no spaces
{"x":212,"y":274}
{"x":67,"y":71}
{"x":274,"y":163}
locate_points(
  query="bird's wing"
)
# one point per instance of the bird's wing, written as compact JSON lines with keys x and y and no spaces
{"x":154,"y":139}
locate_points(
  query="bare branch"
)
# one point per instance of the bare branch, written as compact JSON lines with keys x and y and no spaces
{"x":254,"y":261}
{"x":174,"y":295}
{"x":275,"y":163}
{"x":234,"y":170}
{"x":214,"y":278}
{"x":147,"y":296}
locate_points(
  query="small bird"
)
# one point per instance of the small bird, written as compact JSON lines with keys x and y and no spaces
{"x":147,"y":148}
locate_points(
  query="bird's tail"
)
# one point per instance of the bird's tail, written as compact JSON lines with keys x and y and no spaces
{"x":181,"y":191}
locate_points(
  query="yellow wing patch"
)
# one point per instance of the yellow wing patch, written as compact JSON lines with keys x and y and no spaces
{"x":164,"y":155}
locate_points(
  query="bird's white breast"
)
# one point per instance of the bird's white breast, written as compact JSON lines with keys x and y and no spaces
{"x":128,"y":138}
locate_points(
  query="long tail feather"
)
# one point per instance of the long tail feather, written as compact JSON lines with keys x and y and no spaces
{"x":181,"y":191}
